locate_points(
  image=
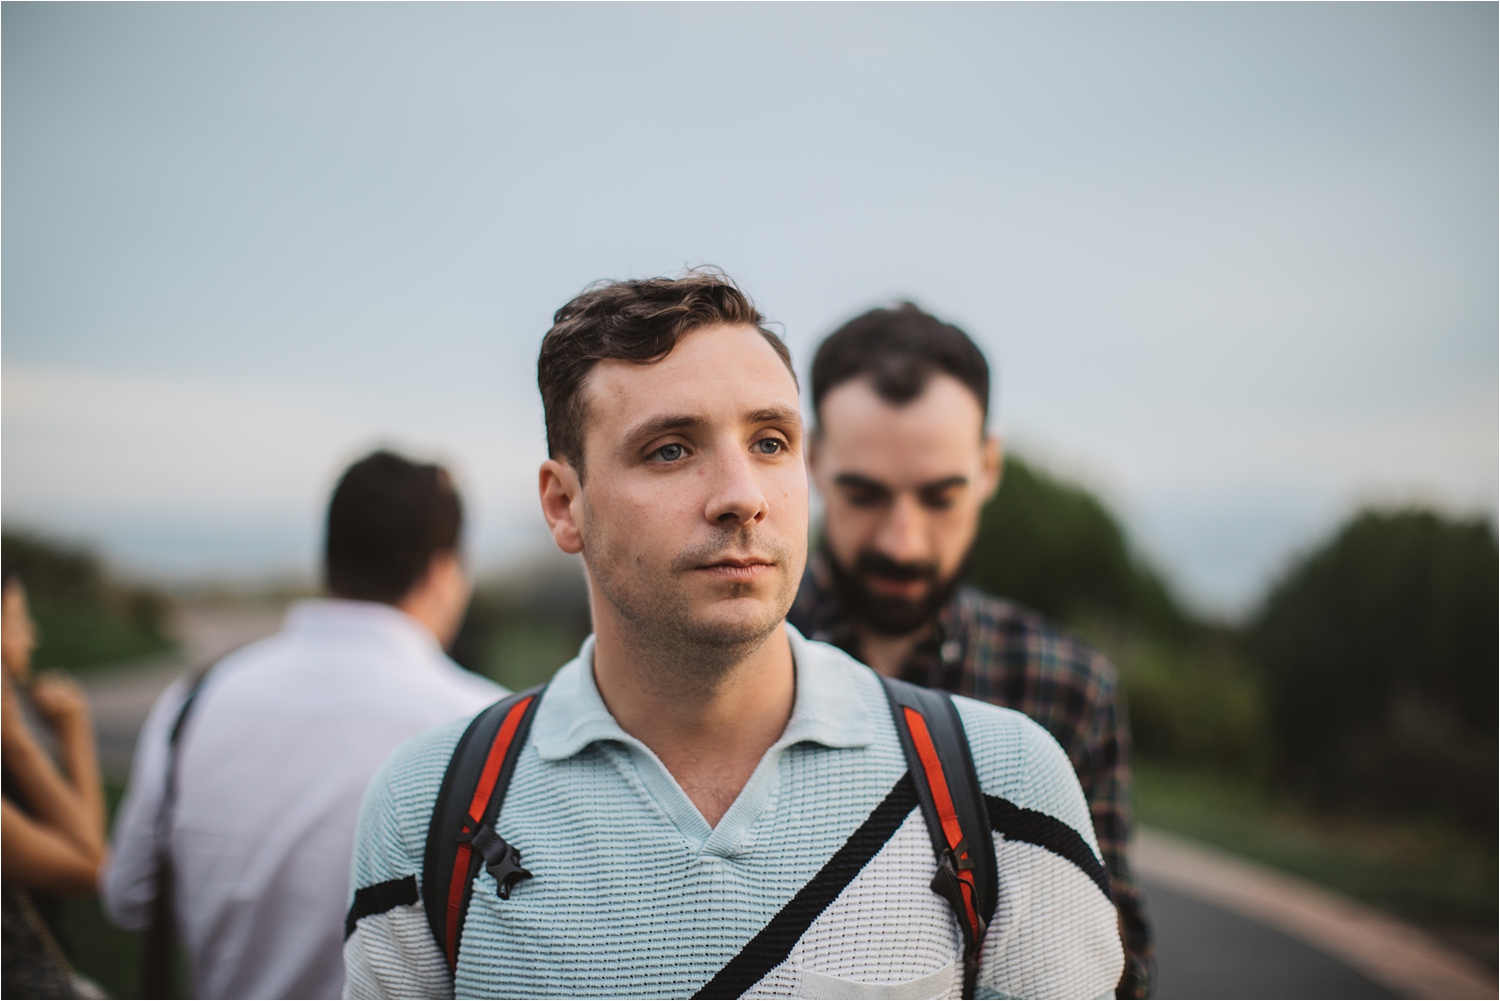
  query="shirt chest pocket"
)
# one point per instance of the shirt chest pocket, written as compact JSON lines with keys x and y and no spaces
{"x":943,"y":983}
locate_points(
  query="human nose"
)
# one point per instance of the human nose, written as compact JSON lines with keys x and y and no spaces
{"x":900,"y":535}
{"x":736,"y":497}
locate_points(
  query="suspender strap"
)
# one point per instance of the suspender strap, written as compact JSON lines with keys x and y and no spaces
{"x":461,"y":836}
{"x":937,"y":752}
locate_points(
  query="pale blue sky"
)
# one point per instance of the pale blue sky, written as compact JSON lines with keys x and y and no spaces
{"x":1235,"y":265}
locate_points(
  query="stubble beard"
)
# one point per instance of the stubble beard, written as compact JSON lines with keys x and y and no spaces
{"x":885,"y":615}
{"x":683,"y":653}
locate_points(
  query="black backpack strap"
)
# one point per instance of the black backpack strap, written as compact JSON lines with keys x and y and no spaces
{"x":159,"y":964}
{"x":937,"y":752}
{"x":461,"y":835}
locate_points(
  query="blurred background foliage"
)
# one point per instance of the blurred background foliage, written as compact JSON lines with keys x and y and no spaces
{"x":525,"y":625}
{"x":1365,"y":678}
{"x":1053,"y":547}
{"x":1379,"y":653}
{"x":1193,"y":693}
{"x":83,"y":616}
{"x":1344,"y":730}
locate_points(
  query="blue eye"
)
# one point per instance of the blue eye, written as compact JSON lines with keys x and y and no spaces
{"x":770,"y":446}
{"x":671,"y":453}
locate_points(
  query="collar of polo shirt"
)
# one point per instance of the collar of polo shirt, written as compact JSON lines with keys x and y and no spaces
{"x":826,"y":711}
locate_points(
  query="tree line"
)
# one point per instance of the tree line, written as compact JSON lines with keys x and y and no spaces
{"x":1365,"y":677}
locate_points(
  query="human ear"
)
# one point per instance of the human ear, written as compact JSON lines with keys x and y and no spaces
{"x":560,"y":490}
{"x":993,"y":468}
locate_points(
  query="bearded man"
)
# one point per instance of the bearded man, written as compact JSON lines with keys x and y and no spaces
{"x":904,"y":459}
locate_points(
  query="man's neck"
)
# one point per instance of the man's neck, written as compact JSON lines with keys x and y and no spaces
{"x":888,"y":654}
{"x":710,"y":737}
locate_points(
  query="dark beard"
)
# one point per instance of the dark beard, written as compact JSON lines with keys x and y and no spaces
{"x":882,"y":614}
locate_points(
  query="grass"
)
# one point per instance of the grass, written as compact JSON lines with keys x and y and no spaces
{"x":82,"y":638}
{"x":100,"y":951}
{"x":1433,"y":873}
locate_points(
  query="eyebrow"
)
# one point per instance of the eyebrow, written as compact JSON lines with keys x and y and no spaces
{"x":946,"y":483}
{"x":775,"y":415}
{"x":858,"y":482}
{"x":655,"y":426}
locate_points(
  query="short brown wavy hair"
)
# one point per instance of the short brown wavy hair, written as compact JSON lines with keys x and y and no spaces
{"x":639,"y":321}
{"x":899,"y":348}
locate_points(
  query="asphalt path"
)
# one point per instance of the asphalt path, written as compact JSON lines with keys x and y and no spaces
{"x":1203,"y":951}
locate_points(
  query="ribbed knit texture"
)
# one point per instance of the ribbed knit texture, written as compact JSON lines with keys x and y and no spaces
{"x":625,"y":903}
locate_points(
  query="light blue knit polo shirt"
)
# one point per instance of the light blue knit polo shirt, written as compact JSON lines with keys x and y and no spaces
{"x":633,"y":894}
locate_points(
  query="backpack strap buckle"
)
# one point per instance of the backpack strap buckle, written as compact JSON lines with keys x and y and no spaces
{"x":460,"y":833}
{"x":501,"y":859}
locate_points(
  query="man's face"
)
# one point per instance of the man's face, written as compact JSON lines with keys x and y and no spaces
{"x":903,"y":487}
{"x":692,"y":512}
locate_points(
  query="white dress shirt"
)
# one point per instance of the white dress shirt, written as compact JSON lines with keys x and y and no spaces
{"x":272,"y":767}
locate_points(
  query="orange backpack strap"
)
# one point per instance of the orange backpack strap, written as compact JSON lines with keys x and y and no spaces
{"x":461,"y":835}
{"x":937,"y":752}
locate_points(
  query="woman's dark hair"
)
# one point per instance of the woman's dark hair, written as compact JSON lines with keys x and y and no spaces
{"x":638,"y":321}
{"x":388,"y":518}
{"x":899,"y":348}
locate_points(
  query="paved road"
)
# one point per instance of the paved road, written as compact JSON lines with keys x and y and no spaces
{"x":1206,"y":952}
{"x":1256,"y":931}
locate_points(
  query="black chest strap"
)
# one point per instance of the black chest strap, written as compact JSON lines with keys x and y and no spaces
{"x":461,"y":835}
{"x":937,"y":753}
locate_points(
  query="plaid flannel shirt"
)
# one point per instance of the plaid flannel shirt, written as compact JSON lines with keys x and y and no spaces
{"x":998,"y":652}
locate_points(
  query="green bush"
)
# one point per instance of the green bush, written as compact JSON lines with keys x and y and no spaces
{"x":1379,"y":652}
{"x":1367,"y":680}
{"x":1195,"y":703}
{"x":1053,"y":547}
